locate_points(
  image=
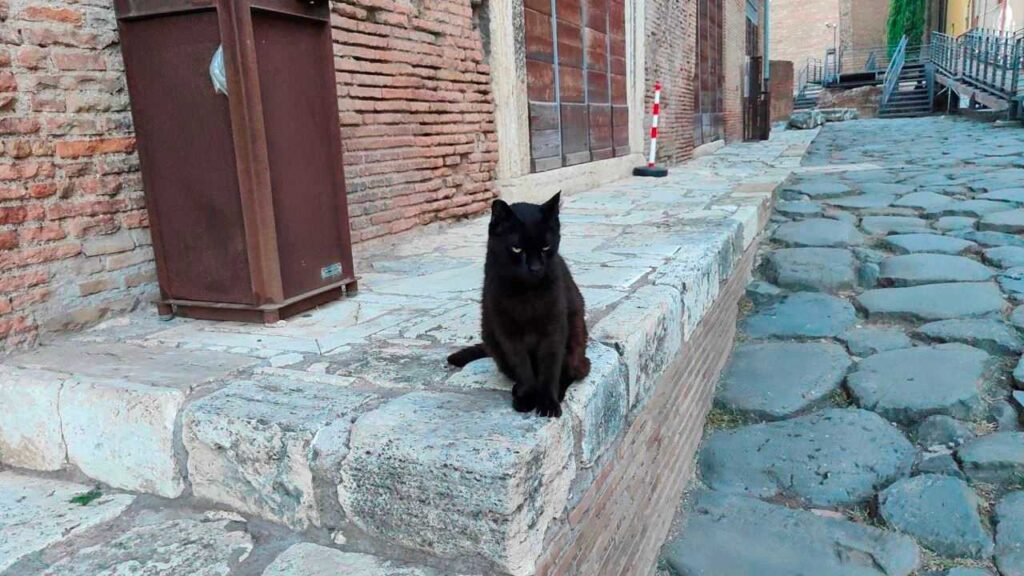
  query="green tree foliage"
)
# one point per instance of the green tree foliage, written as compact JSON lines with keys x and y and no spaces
{"x":906,"y":18}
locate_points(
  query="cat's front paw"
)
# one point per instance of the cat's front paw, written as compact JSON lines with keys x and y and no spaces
{"x":522,"y":401}
{"x":549,"y":408}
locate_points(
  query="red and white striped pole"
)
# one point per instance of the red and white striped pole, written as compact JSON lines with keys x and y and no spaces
{"x":651,"y":169}
{"x":654,"y":124}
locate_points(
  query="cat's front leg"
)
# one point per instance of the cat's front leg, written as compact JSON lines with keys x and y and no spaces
{"x":515,"y":363}
{"x":550,"y":357}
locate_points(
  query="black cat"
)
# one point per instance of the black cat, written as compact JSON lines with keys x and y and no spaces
{"x":533,"y":312}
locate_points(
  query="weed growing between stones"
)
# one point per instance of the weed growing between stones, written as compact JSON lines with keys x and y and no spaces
{"x":719,"y":419}
{"x":86,"y":498}
{"x":932,"y":563}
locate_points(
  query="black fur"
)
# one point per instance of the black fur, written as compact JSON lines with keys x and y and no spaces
{"x":533,"y":312}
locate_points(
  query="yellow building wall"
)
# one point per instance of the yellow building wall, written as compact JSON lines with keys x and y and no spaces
{"x":958,"y":17}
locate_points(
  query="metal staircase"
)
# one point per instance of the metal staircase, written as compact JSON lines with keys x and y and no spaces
{"x":911,"y":95}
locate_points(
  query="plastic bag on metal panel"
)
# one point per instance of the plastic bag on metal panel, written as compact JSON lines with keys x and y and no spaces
{"x":217,"y":73}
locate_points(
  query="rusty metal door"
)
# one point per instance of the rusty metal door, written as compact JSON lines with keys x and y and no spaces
{"x":709,"y":75}
{"x":576,"y":81}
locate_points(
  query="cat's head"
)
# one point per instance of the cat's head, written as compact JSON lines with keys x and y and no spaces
{"x":523,"y":238}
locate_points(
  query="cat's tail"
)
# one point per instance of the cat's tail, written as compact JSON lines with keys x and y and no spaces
{"x":467,"y":355}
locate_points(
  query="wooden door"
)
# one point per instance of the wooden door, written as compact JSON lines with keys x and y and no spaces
{"x":709,"y":75}
{"x":576,"y":81}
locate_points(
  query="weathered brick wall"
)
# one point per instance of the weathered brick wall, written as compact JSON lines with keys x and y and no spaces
{"x":670,"y":57}
{"x":416,"y":112}
{"x":867,"y":23}
{"x":73,"y":243}
{"x":735,"y":48}
{"x":781,"y":88}
{"x":798,"y":29}
{"x":623,"y":518}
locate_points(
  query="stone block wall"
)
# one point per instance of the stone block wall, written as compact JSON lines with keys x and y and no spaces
{"x":416,"y":112}
{"x":73,"y":240}
{"x":671,"y":47}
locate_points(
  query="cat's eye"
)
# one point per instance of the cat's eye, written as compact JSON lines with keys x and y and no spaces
{"x":516,"y":250}
{"x":546,"y":248}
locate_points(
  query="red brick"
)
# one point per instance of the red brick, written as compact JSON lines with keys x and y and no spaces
{"x":50,"y":14}
{"x":8,"y":239}
{"x":8,"y":83}
{"x":39,"y":255}
{"x":80,"y":148}
{"x":45,"y":233}
{"x":79,"y":61}
{"x":14,"y":125}
{"x":22,"y":301}
{"x":31,"y":57}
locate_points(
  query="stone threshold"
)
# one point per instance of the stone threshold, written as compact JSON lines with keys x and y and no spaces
{"x":347,"y":422}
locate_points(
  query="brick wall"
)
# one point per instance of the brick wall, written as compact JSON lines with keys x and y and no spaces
{"x":622,"y":520}
{"x":671,"y":45}
{"x":798,"y":29}
{"x":867,"y":23}
{"x":416,"y":112}
{"x":73,"y":243}
{"x":781,"y":88}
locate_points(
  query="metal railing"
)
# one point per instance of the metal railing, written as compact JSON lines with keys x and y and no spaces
{"x":892,"y":73}
{"x":811,"y":73}
{"x":986,"y":59}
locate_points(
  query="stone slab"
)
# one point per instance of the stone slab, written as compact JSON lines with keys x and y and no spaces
{"x":995,"y":458}
{"x":928,"y":243}
{"x":992,"y":336}
{"x":502,"y":477}
{"x":933,"y":301}
{"x":917,"y":269}
{"x":989,"y":238}
{"x":1008,"y":222}
{"x":1005,"y":256}
{"x":30,"y":435}
{"x":306,"y":559}
{"x":732,"y":535}
{"x":830,"y":458}
{"x":1013,"y":195}
{"x":868,"y":340}
{"x":1009,"y":520}
{"x":271,"y":448}
{"x":863,"y":202}
{"x":598,"y":404}
{"x":818,"y":232}
{"x":967,"y":208}
{"x":36,"y":513}
{"x":943,"y":431}
{"x":802,"y":315}
{"x":777,"y":380}
{"x":820,"y":188}
{"x":816,"y":269}
{"x":941,"y":512}
{"x":883,"y":225}
{"x":909,"y":385}
{"x":798,"y":209}
{"x":949,"y":223}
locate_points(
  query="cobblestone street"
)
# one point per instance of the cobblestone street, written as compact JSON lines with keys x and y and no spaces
{"x":869,"y":421}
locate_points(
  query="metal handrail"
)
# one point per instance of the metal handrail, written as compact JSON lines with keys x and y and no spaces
{"x":988,"y":59}
{"x":892,"y":73}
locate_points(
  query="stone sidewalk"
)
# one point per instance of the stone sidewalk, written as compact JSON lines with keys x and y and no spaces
{"x":340,"y":439}
{"x":870,"y":421}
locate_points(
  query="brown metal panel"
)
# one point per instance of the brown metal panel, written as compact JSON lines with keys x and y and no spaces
{"x":545,"y":144}
{"x":313,"y":9}
{"x":597,"y":87}
{"x":571,"y":85}
{"x":570,"y":11}
{"x":570,"y":45}
{"x":575,"y":133}
{"x":597,"y":15}
{"x":540,"y":81}
{"x":618,"y":89}
{"x":292,"y":55}
{"x":543,"y":117}
{"x":617,"y":18}
{"x":542,"y":6}
{"x":597,"y":50}
{"x":601,"y":131}
{"x":620,"y":127}
{"x":187,"y":154}
{"x":540,"y":43}
{"x":130,"y":9}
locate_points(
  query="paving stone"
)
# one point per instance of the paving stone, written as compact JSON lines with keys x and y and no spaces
{"x":940,"y":430}
{"x":969,"y":208}
{"x":802,"y":315}
{"x":1014,"y":195}
{"x":989,"y":238}
{"x":833,"y":213}
{"x":883,"y":225}
{"x":829,"y":458}
{"x":307,"y":559}
{"x":1009,"y":520}
{"x":1017,"y":317}
{"x":779,"y":379}
{"x":798,"y":209}
{"x":933,"y":301}
{"x":818,"y":232}
{"x":993,"y":336}
{"x":37,"y":512}
{"x":820,"y":269}
{"x":909,"y":385}
{"x":1005,"y":256}
{"x":261,"y":448}
{"x":941,"y":512}
{"x":30,"y":436}
{"x":863,"y":202}
{"x":868,"y":340}
{"x":1005,"y":416}
{"x":511,"y":473}
{"x":996,"y":458}
{"x":646,"y":329}
{"x":760,"y":292}
{"x":161,"y":544}
{"x":885,"y":188}
{"x":770,"y":540}
{"x":819,"y":188}
{"x":917,"y":269}
{"x":968,"y":572}
{"x":942,"y":464}
{"x":947,"y":223}
{"x":1011,"y":281}
{"x":922,"y":200}
{"x":930,"y":243}
{"x":1009,"y":221}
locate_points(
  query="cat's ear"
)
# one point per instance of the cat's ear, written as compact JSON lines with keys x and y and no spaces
{"x":551,"y":206}
{"x":501,"y":212}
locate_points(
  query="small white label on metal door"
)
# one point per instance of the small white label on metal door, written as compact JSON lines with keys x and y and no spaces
{"x":332,"y":271}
